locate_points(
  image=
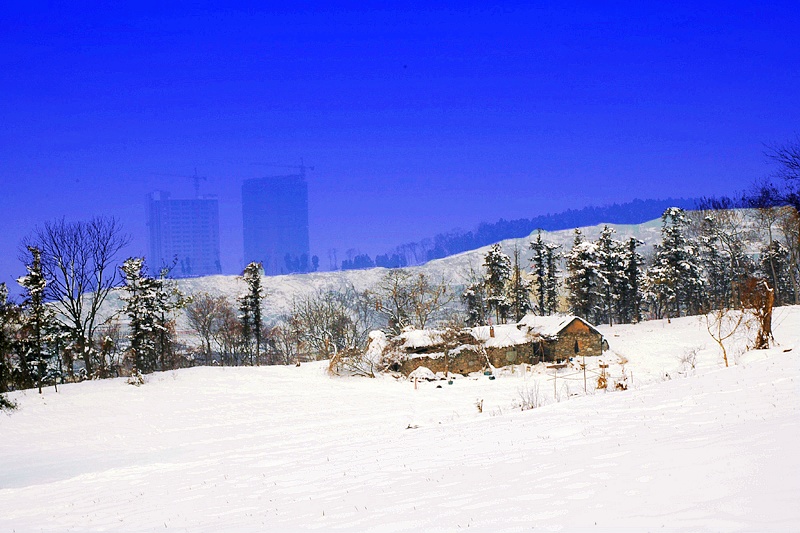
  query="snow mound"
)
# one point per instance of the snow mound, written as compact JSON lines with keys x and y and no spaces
{"x":423,"y":373}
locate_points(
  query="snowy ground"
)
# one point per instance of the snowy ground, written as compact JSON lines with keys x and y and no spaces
{"x":286,"y":448}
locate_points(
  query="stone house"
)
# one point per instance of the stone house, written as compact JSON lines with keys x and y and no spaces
{"x":532,"y":340}
{"x":564,"y":336}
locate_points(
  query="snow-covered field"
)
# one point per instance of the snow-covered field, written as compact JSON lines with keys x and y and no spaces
{"x":286,"y":448}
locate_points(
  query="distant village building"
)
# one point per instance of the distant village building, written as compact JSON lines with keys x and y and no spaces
{"x":532,"y":340}
{"x":183,"y":233}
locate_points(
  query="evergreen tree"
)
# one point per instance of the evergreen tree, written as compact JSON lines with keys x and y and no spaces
{"x":775,"y":266}
{"x":498,"y":273}
{"x":474,"y":298}
{"x":631,"y":297}
{"x":610,"y":269}
{"x":141,"y":310}
{"x":583,"y":279}
{"x":539,"y":270}
{"x":551,"y":285}
{"x":250,"y":308}
{"x":718,"y":277}
{"x":675,"y":278}
{"x":545,"y":270}
{"x":167,"y":300}
{"x":37,"y":321}
{"x":9,"y":316}
{"x":519,"y":290}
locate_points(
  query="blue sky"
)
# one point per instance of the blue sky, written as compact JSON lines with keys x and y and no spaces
{"x":417,"y":119}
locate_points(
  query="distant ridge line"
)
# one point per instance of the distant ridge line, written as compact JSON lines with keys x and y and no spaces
{"x":457,"y":241}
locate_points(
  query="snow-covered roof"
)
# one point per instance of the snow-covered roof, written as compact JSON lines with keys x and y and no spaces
{"x":504,"y":335}
{"x":421,"y":338}
{"x":550,"y":326}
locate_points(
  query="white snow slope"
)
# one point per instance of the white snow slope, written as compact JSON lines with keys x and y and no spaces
{"x":287,"y":449}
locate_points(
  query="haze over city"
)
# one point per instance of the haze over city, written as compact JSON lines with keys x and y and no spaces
{"x":416,"y":120}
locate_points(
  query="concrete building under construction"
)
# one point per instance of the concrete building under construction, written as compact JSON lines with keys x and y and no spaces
{"x":184,"y":235}
{"x":275,"y":223}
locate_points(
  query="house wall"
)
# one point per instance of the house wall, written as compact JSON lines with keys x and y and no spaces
{"x":472,"y":360}
{"x":464,"y":362}
{"x":514,"y":355}
{"x":590,"y":343}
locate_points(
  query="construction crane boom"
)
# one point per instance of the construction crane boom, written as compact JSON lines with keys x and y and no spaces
{"x":301,"y":167}
{"x":194,"y":177}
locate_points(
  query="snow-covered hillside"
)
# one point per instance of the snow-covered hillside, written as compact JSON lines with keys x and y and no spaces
{"x":280,"y":290}
{"x":286,"y":448}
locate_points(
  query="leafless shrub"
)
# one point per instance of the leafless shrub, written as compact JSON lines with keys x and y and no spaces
{"x":479,"y":404}
{"x":351,"y":362}
{"x":688,"y":359}
{"x":529,"y":395}
{"x":722,"y":324}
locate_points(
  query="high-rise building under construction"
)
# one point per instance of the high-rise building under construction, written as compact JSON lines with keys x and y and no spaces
{"x":184,"y":235}
{"x":275,"y":219}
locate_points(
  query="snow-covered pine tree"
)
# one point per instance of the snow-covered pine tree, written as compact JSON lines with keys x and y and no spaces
{"x":37,"y":318}
{"x":250,"y":309}
{"x":775,"y":267}
{"x":631,"y":297}
{"x":498,"y":272}
{"x":551,"y":281}
{"x":718,"y":279}
{"x":675,"y":277}
{"x":140,"y":308}
{"x":539,"y":271}
{"x":583,"y":279}
{"x":474,"y":298}
{"x":610,"y":269}
{"x":519,"y":290}
{"x":167,"y":300}
{"x":544,"y":266}
{"x":9,"y":316}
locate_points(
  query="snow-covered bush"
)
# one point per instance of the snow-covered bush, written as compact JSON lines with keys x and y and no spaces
{"x":6,"y":404}
{"x":136,"y":378}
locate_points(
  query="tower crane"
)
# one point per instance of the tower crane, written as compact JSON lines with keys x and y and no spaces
{"x":194,"y":177}
{"x":301,"y":167}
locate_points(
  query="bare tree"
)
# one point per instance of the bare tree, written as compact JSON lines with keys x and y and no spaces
{"x":787,"y":156}
{"x":285,"y":340}
{"x":229,"y":335}
{"x":403,"y":299}
{"x":78,"y":261}
{"x":393,"y":299}
{"x":205,"y":313}
{"x":722,"y":324}
{"x":330,"y":321}
{"x":429,"y":299}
